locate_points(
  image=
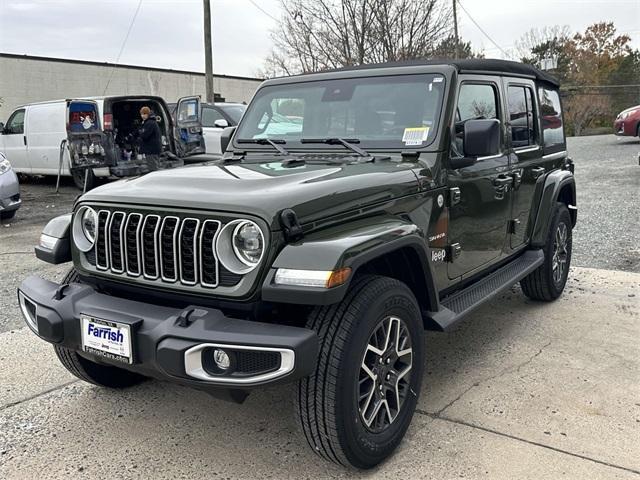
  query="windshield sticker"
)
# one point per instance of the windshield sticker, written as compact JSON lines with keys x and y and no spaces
{"x":415,"y":136}
{"x":437,"y":79}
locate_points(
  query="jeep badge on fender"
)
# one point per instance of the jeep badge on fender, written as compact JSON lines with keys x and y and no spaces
{"x":351,"y":210}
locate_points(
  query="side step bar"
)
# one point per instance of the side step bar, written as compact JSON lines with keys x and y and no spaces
{"x":454,"y":307}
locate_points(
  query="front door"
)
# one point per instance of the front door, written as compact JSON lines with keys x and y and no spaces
{"x":479,"y":193}
{"x":188,"y":128}
{"x":14,"y":142}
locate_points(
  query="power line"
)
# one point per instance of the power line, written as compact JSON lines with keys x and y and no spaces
{"x":482,"y":30}
{"x":263,"y":10}
{"x":124,"y":42}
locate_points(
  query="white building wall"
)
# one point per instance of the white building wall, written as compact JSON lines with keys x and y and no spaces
{"x":32,"y":79}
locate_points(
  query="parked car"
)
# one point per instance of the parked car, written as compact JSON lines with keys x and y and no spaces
{"x":319,"y":255}
{"x":100,"y":132}
{"x":215,"y":117}
{"x":627,"y":123}
{"x":9,"y":190}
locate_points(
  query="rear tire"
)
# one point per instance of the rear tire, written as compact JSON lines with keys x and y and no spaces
{"x":547,"y":282}
{"x":8,"y":215}
{"x":92,"y":372}
{"x":78,"y":179}
{"x":349,"y":414}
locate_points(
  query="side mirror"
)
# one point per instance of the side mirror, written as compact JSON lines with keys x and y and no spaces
{"x":481,"y":138}
{"x":225,"y":138}
{"x":221,"y":123}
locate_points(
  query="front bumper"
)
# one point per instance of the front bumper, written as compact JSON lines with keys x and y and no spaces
{"x":9,"y":192}
{"x":169,"y":343}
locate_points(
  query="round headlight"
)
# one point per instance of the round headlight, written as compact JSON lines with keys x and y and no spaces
{"x":85,"y":225}
{"x":248,"y":243}
{"x":240,"y":246}
{"x":89,"y":223}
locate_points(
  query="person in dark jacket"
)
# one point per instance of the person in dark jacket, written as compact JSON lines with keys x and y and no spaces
{"x":150,"y":140}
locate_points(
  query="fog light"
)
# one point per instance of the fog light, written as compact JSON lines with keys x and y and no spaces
{"x":221,"y":359}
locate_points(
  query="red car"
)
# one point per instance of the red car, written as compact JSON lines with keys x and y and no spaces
{"x":627,"y":122}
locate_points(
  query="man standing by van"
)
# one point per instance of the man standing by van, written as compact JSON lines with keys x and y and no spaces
{"x":150,"y":139}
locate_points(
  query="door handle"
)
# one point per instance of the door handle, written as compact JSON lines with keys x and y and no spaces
{"x":501,"y":181}
{"x":537,"y":172}
{"x":24,"y":139}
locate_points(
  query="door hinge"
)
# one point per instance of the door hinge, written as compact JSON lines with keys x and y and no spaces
{"x":453,"y":252}
{"x":454,"y":196}
{"x":513,"y":225}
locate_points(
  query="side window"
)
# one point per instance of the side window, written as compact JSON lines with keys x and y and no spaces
{"x":475,"y":101}
{"x":521,"y":116}
{"x":551,"y":114}
{"x":209,"y":116}
{"x":15,"y":124}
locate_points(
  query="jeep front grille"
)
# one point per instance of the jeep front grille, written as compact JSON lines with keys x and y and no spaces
{"x":168,"y":249}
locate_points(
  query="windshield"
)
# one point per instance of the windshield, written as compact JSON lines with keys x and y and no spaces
{"x":233,"y":111}
{"x":393,"y":112}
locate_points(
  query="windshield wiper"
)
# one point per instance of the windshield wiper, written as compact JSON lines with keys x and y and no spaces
{"x":266,"y":141}
{"x":346,"y":142}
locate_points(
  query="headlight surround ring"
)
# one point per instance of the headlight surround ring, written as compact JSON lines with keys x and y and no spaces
{"x":228,"y":252}
{"x":82,"y":239}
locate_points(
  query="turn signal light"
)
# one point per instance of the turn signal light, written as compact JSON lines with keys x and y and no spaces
{"x":312,"y":278}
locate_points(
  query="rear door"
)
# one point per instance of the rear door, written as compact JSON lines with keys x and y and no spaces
{"x":188,"y":127}
{"x":87,"y":142}
{"x":527,"y":165}
{"x":14,"y":141}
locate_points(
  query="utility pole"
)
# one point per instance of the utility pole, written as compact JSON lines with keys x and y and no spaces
{"x":455,"y":28}
{"x":208,"y":54}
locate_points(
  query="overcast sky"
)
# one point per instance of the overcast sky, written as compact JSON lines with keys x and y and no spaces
{"x":169,"y":34}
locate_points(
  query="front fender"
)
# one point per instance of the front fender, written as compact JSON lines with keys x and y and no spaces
{"x":55,"y":243}
{"x":554,"y":183}
{"x":351,"y":246}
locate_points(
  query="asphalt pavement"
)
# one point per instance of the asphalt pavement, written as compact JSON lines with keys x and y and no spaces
{"x":520,"y":390}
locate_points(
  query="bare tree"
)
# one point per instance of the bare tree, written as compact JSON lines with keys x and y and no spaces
{"x":555,"y":34}
{"x":321,"y":34}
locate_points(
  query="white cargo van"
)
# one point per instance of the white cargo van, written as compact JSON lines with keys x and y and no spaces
{"x":100,"y":134}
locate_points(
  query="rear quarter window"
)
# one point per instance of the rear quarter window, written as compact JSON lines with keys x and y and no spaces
{"x":551,"y":117}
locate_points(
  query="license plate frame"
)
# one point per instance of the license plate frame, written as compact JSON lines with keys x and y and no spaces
{"x":106,"y":338}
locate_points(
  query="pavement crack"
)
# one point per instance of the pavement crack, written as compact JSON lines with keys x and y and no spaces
{"x":37,"y":395}
{"x":16,"y":253}
{"x":524,"y":440}
{"x":493,"y":377}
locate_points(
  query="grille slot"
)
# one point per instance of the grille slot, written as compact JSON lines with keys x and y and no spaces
{"x":165,"y":248}
{"x":132,"y":243}
{"x":116,"y":225}
{"x":149,"y":244}
{"x":209,"y":265}
{"x":188,"y":243}
{"x":102,"y":257}
{"x":168,"y":254}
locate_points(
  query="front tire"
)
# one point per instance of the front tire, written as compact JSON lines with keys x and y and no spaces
{"x":547,"y":282}
{"x":89,"y":371}
{"x":356,"y":407}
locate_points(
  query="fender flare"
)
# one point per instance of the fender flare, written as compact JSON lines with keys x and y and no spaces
{"x":337,"y":248}
{"x":554,"y":183}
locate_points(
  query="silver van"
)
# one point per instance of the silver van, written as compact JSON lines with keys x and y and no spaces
{"x":96,"y":136}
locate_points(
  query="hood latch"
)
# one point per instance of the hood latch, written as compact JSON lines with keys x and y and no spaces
{"x":291,"y":226}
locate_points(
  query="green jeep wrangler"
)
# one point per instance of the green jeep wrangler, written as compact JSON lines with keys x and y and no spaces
{"x":352,"y":210}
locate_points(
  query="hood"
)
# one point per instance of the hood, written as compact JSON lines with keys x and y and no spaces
{"x":265,"y":189}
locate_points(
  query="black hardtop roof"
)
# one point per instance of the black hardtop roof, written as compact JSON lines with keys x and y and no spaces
{"x":472,"y":65}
